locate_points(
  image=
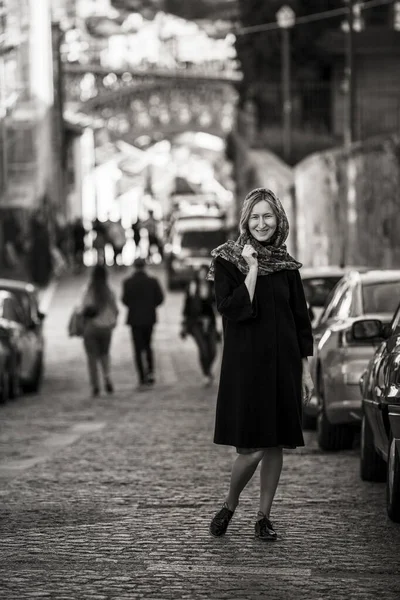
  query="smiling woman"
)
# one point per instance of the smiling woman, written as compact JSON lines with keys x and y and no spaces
{"x":262,"y":221}
{"x":267,"y":338}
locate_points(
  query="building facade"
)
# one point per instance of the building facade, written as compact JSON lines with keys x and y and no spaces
{"x":30,"y":164}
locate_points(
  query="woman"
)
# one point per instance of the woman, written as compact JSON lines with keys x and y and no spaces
{"x":99,"y":307}
{"x":264,"y":373}
{"x":199,"y":320}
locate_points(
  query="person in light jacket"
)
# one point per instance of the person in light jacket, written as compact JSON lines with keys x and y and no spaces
{"x":100,"y":311}
{"x":265,"y":376}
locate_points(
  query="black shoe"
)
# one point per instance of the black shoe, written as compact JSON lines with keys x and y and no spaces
{"x":265,"y":531}
{"x":220,"y":522}
{"x":95,"y":392}
{"x":150,"y":379}
{"x":109,"y":387}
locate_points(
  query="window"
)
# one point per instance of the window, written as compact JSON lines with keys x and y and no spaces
{"x":11,"y":310}
{"x":395,"y":326}
{"x":381,"y":297}
{"x":203,"y":239}
{"x":344,"y":307}
{"x":333,"y":300}
{"x":317,"y":289}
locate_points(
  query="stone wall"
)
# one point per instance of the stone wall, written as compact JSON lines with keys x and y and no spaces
{"x":362,"y":227}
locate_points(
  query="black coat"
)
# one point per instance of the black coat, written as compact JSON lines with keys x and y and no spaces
{"x":141,"y":294}
{"x":260,"y":397}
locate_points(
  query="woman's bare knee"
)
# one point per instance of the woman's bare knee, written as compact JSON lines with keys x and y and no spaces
{"x":254,"y":457}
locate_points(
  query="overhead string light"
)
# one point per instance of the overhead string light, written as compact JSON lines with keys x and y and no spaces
{"x":327,"y":14}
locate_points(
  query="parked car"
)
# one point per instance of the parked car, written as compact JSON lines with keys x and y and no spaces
{"x":339,"y":359}
{"x":380,"y":391}
{"x":19,"y":304}
{"x":189,"y":245}
{"x":5,"y":369}
{"x":318,"y":283}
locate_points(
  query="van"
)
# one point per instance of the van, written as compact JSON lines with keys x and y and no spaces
{"x":189,"y":246}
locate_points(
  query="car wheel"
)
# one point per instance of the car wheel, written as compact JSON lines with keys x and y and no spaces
{"x":33,"y":386}
{"x":372,"y":466}
{"x":15,"y":388}
{"x":4,"y":387}
{"x":331,"y":437}
{"x":309,"y":422}
{"x":393,"y":483}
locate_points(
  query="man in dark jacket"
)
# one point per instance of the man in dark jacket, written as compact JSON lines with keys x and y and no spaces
{"x":142,"y":294}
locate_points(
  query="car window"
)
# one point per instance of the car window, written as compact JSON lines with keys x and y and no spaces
{"x":317,"y":289}
{"x":381,"y":297}
{"x":332,"y":301}
{"x":12,"y":311}
{"x":25,"y":302}
{"x":395,"y":325}
{"x":343,"y":308}
{"x":202,"y":239}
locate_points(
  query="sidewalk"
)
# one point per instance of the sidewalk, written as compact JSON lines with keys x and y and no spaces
{"x":111,"y":498}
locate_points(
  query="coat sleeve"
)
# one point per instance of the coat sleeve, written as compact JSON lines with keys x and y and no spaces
{"x":232,"y":298}
{"x":300,"y":313}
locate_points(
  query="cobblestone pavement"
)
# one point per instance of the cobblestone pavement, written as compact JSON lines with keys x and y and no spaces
{"x":111,"y":498}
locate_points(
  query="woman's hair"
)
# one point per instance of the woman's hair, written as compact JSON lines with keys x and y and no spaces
{"x":99,"y":286}
{"x":250,"y":201}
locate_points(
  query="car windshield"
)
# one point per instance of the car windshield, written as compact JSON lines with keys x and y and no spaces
{"x":317,"y":289}
{"x":203,"y":239}
{"x":381,"y":297}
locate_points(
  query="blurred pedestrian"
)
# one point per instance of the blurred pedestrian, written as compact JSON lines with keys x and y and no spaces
{"x":152,"y":226}
{"x":142,"y":294}
{"x":78,"y":242}
{"x":136,"y":237}
{"x":100,"y":312}
{"x":199,"y":320}
{"x":265,"y":375}
{"x":40,"y":255}
{"x":117,"y":238}
{"x":99,"y":243}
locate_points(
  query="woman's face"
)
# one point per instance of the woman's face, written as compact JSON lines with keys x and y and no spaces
{"x":262,"y":221}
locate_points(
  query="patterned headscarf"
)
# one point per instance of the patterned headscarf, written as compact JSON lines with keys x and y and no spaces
{"x":272,"y":256}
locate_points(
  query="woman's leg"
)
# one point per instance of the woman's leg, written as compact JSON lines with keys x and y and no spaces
{"x":93,"y":372}
{"x":271,"y":467}
{"x":242,"y":471}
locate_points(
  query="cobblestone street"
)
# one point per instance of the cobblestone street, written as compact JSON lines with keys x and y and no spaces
{"x":111,"y":497}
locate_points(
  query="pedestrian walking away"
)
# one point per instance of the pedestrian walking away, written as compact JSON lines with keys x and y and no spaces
{"x":99,"y":310}
{"x":199,"y":320}
{"x":142,"y":295}
{"x":265,"y":377}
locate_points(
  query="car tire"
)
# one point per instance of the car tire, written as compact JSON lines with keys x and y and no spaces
{"x":372,"y":466}
{"x":15,"y":388}
{"x":331,"y":437}
{"x":33,"y":386}
{"x":4,"y":388}
{"x":393,"y":483}
{"x":309,"y":422}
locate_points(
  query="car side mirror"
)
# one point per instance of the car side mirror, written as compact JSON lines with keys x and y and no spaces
{"x":367,"y":329}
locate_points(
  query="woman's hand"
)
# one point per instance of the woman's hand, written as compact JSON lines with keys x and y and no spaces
{"x":307,"y":384}
{"x":250,"y":255}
